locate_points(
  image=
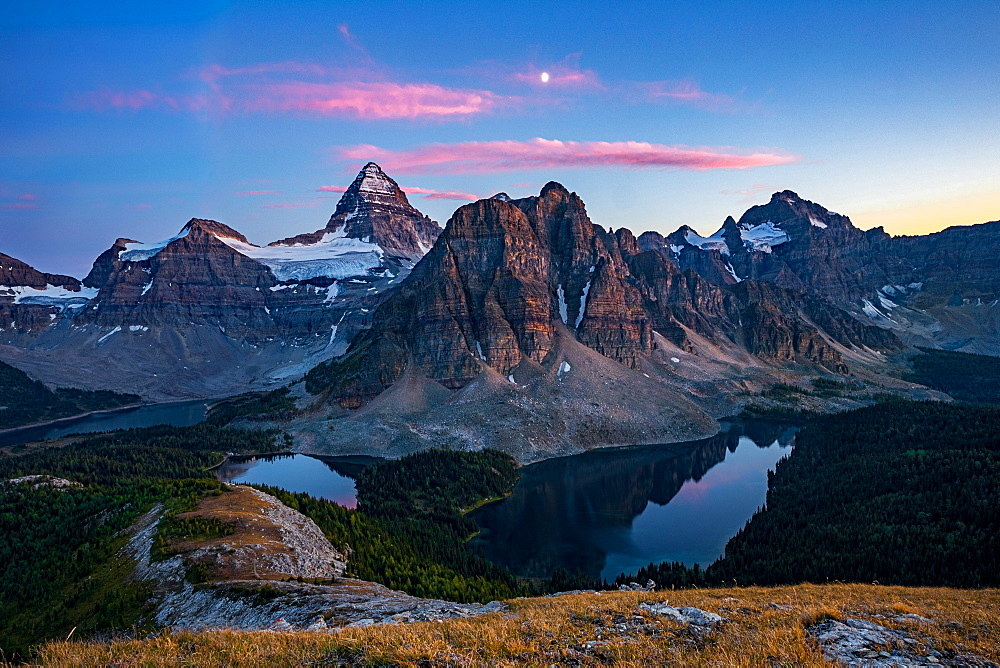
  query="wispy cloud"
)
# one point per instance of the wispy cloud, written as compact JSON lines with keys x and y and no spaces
{"x":687,"y":92}
{"x":14,"y":201}
{"x":752,"y":193}
{"x":305,"y":88}
{"x":538,"y":153}
{"x":291,"y":205}
{"x":331,"y":189}
{"x":251,"y":193}
{"x":438,"y":194}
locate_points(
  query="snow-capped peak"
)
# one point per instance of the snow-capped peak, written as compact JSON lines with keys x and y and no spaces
{"x":371,"y":179}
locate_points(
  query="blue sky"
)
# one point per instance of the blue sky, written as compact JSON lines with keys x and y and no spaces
{"x":126,"y":120}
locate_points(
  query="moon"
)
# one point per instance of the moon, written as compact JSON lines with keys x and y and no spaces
{"x":545,"y":77}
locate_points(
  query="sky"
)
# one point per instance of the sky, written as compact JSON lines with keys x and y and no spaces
{"x":127,"y":119}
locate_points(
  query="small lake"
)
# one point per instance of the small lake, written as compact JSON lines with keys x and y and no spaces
{"x":177,"y":414}
{"x":607,"y":512}
{"x":296,"y":473}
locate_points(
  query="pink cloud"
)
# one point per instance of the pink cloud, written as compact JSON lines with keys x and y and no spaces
{"x":382,"y":100}
{"x":9,"y":201}
{"x":246,"y":193}
{"x":377,"y":100}
{"x":139,"y":207}
{"x":104,"y":100}
{"x":331,"y":189}
{"x":437,"y":194}
{"x":291,"y":205}
{"x":538,"y":153}
{"x":687,"y":92}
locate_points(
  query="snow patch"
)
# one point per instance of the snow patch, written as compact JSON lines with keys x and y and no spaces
{"x":816,"y":222}
{"x":714,"y":242}
{"x":764,"y":237}
{"x":113,"y":331}
{"x":141,"y":328}
{"x":583,"y":306}
{"x":479,"y":351}
{"x":729,"y":268}
{"x":675,"y":360}
{"x":333,"y":256}
{"x":146,"y":287}
{"x":562,"y":304}
{"x":332,"y":292}
{"x":50,"y":295}
{"x":564,"y":368}
{"x":137,"y":252}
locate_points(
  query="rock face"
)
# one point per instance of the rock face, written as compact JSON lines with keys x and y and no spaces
{"x":30,"y":300}
{"x":940,"y":290}
{"x":375,"y":209}
{"x":504,"y":275}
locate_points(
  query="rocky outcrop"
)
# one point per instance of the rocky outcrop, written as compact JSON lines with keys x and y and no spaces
{"x":278,"y":572}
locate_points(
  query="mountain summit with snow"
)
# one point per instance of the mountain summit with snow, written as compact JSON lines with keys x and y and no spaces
{"x":374,"y":210}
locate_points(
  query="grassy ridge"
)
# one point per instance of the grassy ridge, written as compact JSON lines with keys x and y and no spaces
{"x":554,"y":631}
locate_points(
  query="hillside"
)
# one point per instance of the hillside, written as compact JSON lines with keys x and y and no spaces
{"x":806,"y":625}
{"x":26,"y":401}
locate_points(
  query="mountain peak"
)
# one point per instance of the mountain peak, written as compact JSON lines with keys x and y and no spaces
{"x":213,"y":228}
{"x":785,"y":195}
{"x":374,"y":209}
{"x":372,"y":180}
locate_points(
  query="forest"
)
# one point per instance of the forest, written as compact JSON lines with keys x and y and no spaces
{"x":26,"y":401}
{"x":966,"y":377}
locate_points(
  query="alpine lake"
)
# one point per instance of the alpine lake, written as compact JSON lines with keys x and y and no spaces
{"x":603,"y":512}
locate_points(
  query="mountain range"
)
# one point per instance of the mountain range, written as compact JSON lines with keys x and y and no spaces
{"x":522,"y":324}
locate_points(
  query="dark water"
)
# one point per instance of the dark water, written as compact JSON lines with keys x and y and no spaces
{"x":611,"y":511}
{"x":295,"y":473}
{"x":177,"y":414}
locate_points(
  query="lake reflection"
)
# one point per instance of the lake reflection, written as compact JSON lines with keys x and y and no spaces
{"x":295,"y":473}
{"x":611,"y":511}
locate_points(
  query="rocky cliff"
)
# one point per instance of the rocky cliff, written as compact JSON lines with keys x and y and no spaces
{"x":504,"y":275}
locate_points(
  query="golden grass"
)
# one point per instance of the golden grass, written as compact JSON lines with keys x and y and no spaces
{"x":546,"y":631}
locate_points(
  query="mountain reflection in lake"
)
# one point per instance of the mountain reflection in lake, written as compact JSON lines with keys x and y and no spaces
{"x":606,"y":512}
{"x":295,"y":473}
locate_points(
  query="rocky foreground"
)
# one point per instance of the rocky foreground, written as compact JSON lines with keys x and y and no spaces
{"x":807,"y":625}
